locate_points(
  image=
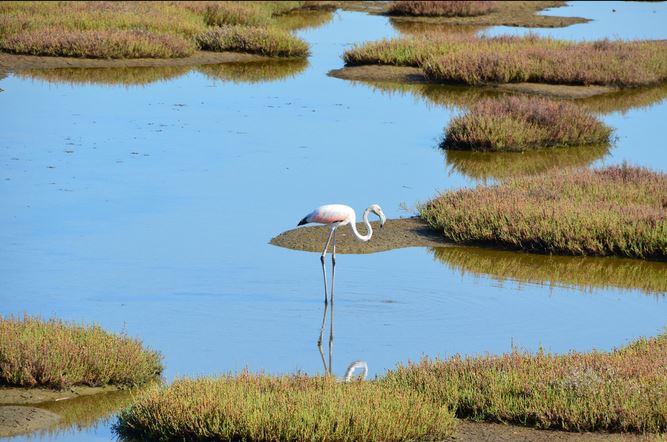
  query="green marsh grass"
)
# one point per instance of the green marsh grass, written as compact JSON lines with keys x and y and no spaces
{"x":519,"y":123}
{"x":254,"y":40}
{"x":469,"y":59}
{"x":139,"y":29}
{"x":294,"y":408}
{"x":56,"y":354}
{"x":619,"y":210}
{"x":624,"y":390}
{"x":462,"y":8}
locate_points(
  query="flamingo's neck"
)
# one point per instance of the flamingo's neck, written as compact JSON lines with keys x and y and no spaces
{"x":353,"y":225}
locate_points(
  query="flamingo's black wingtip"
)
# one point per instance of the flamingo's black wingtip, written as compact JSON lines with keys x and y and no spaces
{"x":302,"y":222}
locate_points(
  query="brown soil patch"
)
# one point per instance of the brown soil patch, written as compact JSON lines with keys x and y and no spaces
{"x":408,"y":74}
{"x":396,"y":233}
{"x":23,"y":396}
{"x":12,"y":63}
{"x":482,"y":432}
{"x":16,"y":420}
{"x":509,"y":13}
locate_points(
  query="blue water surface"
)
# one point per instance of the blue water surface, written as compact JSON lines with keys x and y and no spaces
{"x":149,"y":209}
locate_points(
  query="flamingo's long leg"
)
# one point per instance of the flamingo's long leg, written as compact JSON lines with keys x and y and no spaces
{"x":333,"y":279}
{"x":324,"y":254}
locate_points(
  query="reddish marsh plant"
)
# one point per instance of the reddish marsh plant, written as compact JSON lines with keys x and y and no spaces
{"x":517,"y":123}
{"x":619,"y":210}
{"x":442,"y":8}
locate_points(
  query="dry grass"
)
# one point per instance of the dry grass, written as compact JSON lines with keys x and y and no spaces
{"x":460,"y":8}
{"x":619,"y":210}
{"x":518,"y":123}
{"x":262,"y":41}
{"x":55,"y":354}
{"x":132,"y":29}
{"x":465,"y":58}
{"x":621,"y":391}
{"x":297,"y":408}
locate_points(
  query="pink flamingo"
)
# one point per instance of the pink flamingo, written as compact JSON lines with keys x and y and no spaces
{"x":336,"y":215}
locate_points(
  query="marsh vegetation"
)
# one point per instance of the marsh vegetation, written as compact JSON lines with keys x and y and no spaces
{"x":57,"y":354}
{"x":128,"y":30}
{"x":619,"y":210}
{"x":469,"y":59}
{"x":619,"y":391}
{"x":518,"y":123}
{"x":297,"y":408}
{"x":441,"y":8}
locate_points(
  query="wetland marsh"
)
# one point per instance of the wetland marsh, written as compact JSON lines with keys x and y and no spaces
{"x":144,"y":199}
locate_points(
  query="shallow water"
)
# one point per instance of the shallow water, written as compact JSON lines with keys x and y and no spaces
{"x":147,"y":206}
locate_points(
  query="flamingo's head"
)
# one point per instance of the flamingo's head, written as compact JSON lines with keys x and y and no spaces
{"x":378,"y":211}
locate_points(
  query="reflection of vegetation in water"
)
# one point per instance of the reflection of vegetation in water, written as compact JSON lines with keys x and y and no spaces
{"x":449,"y":96}
{"x":501,"y":165}
{"x":551,"y":270}
{"x":88,"y":411}
{"x":416,"y":27}
{"x":303,"y":20}
{"x":254,"y":72}
{"x":129,"y":76}
{"x":623,"y":101}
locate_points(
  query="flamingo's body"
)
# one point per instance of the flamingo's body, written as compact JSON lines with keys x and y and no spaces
{"x":336,"y":215}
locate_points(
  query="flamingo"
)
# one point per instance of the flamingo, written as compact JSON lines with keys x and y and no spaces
{"x":336,"y":215}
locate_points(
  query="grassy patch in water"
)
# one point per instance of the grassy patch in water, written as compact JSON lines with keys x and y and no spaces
{"x":254,"y":40}
{"x":621,"y":391}
{"x":56,"y":354}
{"x":518,"y":123}
{"x":136,"y":29}
{"x":469,"y":59}
{"x":295,"y":408}
{"x":620,"y":210}
{"x":461,"y":8}
{"x":98,"y":44}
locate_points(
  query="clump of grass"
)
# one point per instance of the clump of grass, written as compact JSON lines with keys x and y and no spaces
{"x":623,"y":390}
{"x":135,"y":29}
{"x":97,"y":44}
{"x":465,"y":58}
{"x":619,"y":210}
{"x":297,"y":408}
{"x":517,"y":123}
{"x":263,"y":41}
{"x":56,"y":354}
{"x":235,"y":13}
{"x":441,"y":8}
